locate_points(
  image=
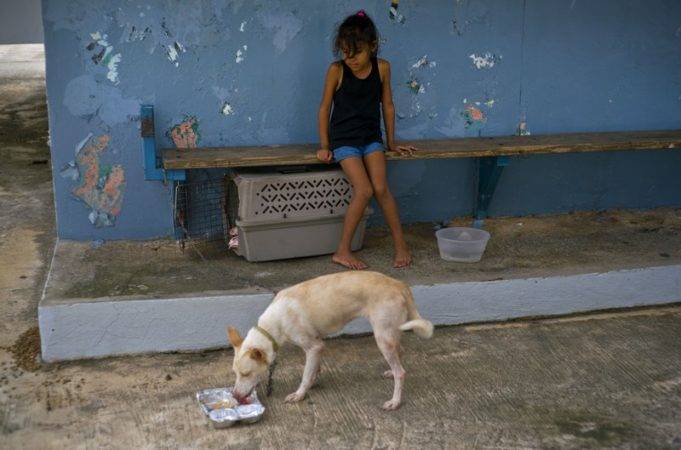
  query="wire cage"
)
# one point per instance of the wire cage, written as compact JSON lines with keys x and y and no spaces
{"x":199,"y":212}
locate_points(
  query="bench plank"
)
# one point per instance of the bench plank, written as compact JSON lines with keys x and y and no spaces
{"x":215,"y":157}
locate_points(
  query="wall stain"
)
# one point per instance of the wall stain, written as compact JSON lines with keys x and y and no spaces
{"x":285,"y":26}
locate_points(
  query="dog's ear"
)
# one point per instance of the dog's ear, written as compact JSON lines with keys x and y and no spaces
{"x":257,"y":355}
{"x":234,"y":337}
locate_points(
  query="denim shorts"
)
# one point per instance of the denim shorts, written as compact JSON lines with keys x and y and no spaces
{"x":347,"y":151}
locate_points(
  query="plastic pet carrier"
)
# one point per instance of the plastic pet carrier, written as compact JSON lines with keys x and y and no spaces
{"x":278,"y":215}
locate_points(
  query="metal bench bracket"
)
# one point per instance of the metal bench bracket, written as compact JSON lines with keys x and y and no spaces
{"x":152,"y":161}
{"x":489,"y":171}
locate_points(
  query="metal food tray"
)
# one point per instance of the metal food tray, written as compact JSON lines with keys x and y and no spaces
{"x":250,"y":412}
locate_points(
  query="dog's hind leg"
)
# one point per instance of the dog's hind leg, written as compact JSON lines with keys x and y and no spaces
{"x":313,"y":355}
{"x":389,"y":343}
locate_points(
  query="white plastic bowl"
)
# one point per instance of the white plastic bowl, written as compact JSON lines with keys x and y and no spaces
{"x":461,"y":244}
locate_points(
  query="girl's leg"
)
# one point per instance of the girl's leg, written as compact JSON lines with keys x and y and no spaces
{"x":361,"y":194}
{"x":375,"y":166}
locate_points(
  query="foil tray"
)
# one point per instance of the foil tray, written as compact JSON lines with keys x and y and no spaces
{"x":217,"y":403}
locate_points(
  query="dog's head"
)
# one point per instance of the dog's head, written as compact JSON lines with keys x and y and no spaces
{"x":250,"y":364}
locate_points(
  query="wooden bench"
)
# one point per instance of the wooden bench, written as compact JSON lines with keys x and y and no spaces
{"x":491,"y":153}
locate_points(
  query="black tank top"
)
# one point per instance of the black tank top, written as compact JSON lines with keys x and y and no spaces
{"x":356,"y":116}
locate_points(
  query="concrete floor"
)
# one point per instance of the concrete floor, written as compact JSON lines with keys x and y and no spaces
{"x":607,"y":381}
{"x":602,"y":381}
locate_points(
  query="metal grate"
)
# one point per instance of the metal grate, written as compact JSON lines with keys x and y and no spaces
{"x":199,"y":209}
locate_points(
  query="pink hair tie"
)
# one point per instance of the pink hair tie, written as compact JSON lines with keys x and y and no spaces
{"x":361,"y":13}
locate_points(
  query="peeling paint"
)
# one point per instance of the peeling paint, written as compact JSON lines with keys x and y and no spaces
{"x":227,"y":109}
{"x":170,"y":34}
{"x":522,"y":129}
{"x":473,"y":117}
{"x":241,"y":54}
{"x":423,"y":62}
{"x":173,"y":51}
{"x":415,"y":86}
{"x":101,"y":186}
{"x":135,"y":34}
{"x":223,"y":94}
{"x":418,"y":83}
{"x":394,"y":15}
{"x":186,"y":133}
{"x":486,"y":61}
{"x":490,"y":103}
{"x":104,"y":55}
{"x":242,"y":27}
{"x":467,"y":14}
{"x":69,"y":171}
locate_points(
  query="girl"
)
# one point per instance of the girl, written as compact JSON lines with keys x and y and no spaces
{"x":357,"y":86}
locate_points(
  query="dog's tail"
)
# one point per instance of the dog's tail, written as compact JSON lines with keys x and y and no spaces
{"x":422,"y":327}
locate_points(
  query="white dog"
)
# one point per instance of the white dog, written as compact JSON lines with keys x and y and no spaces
{"x":309,"y":311}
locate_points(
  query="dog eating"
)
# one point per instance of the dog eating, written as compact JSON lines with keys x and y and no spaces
{"x":309,"y":311}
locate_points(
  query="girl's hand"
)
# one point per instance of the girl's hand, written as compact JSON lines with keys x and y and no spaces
{"x":325,"y":155}
{"x":402,"y":150}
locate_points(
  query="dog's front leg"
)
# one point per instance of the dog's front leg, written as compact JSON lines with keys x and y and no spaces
{"x":313,"y":356}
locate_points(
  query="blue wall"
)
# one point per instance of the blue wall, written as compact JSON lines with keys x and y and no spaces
{"x":249,"y":73}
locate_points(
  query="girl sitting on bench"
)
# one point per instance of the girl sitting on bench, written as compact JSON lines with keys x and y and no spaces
{"x":357,"y":86}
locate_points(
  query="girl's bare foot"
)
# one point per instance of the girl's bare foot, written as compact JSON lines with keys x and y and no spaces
{"x":402,"y":257}
{"x":347,"y":259}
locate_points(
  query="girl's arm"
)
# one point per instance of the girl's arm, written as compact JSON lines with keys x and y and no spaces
{"x":389,"y":112}
{"x":330,"y":84}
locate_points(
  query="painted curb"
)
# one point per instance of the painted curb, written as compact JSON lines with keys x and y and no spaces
{"x":106,"y":328}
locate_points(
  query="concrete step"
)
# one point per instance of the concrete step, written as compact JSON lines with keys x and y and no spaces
{"x":137,"y":297}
